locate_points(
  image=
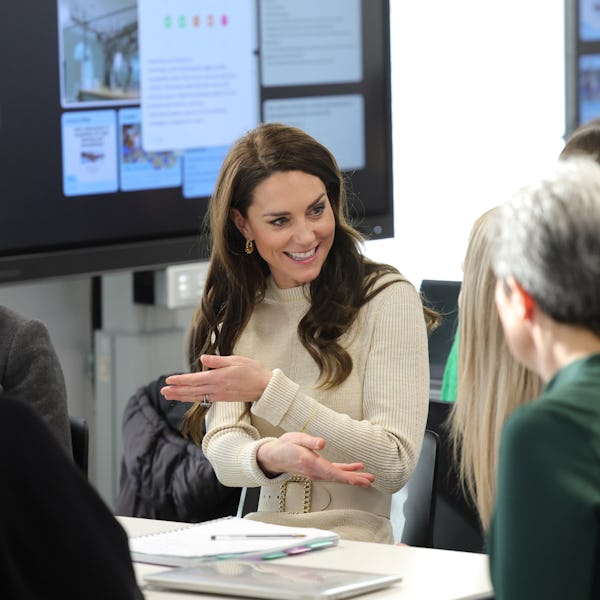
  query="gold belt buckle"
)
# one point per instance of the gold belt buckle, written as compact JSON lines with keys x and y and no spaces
{"x":306,"y":501}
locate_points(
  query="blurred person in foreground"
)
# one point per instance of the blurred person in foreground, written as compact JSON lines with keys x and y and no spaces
{"x":544,"y":539}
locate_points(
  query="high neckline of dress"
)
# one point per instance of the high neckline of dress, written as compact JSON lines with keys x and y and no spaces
{"x":301,"y":292}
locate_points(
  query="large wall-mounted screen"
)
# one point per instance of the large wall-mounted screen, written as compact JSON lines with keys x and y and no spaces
{"x":582,"y":60}
{"x":115,"y":116}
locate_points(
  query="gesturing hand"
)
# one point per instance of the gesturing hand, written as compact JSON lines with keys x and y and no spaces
{"x":229,"y":379}
{"x":296,"y":452}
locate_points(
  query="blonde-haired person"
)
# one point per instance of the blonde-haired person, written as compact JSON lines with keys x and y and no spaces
{"x":491,"y":384}
{"x":544,"y":539}
{"x":312,"y":358}
{"x":585,"y":140}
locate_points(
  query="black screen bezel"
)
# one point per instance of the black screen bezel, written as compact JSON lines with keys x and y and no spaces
{"x":33,"y":239}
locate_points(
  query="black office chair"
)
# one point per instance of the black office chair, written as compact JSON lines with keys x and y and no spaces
{"x":80,"y":441}
{"x":414,"y":506}
{"x":456,"y":522}
{"x":441,"y":296}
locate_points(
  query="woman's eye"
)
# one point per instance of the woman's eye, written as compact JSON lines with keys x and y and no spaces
{"x":279,"y":222}
{"x":318,"y":210}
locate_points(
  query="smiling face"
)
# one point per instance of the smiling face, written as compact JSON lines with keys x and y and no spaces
{"x":292,"y":224}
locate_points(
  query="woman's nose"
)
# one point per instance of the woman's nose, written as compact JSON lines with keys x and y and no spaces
{"x":304,"y":233}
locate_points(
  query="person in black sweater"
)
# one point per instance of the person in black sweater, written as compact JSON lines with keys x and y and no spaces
{"x":58,"y":539}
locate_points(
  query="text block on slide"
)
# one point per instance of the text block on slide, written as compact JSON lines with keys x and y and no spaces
{"x":89,"y":152}
{"x":198,"y":72}
{"x":335,"y":121}
{"x":310,"y":42}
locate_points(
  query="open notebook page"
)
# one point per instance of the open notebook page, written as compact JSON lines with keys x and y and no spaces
{"x":230,"y":537}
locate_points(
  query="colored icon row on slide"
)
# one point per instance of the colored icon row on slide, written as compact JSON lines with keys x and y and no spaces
{"x":196,"y":21}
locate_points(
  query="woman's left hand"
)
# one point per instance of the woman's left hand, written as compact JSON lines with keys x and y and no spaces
{"x":229,"y":379}
{"x":298,"y":452}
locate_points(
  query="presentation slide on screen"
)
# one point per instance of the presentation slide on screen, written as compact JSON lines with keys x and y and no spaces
{"x":336,"y":121}
{"x":201,"y":167}
{"x":198,"y":72}
{"x":153,"y":93}
{"x":589,"y":20}
{"x":89,"y":152}
{"x":98,"y":53}
{"x":589,"y":87}
{"x":140,"y":169}
{"x":310,"y":42}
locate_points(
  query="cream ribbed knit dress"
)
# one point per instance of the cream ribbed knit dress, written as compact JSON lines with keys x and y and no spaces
{"x":376,"y":416}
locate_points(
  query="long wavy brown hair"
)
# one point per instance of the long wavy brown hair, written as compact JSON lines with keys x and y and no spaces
{"x":237,"y":281}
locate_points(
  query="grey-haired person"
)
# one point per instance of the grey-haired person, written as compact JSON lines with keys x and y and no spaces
{"x":544,"y":539}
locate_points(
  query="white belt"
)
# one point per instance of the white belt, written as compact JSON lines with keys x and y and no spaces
{"x":301,"y":495}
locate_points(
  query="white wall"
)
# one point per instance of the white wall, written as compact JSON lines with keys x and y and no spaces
{"x":478,"y":105}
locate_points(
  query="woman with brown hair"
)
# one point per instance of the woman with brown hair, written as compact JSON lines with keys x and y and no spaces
{"x":312,"y":358}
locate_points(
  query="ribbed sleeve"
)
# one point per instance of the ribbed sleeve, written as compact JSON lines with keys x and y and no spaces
{"x":376,"y":416}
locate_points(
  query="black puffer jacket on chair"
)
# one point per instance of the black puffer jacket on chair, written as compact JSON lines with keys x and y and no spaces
{"x":163,"y":475}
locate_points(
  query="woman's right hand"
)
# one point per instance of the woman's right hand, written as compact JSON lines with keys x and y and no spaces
{"x":296,"y":452}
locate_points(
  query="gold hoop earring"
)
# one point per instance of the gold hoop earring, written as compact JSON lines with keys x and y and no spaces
{"x":249,"y":249}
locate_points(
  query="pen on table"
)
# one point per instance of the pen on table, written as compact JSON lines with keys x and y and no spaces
{"x":264,"y":536}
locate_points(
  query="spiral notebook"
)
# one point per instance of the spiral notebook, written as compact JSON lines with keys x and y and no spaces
{"x":226,"y":538}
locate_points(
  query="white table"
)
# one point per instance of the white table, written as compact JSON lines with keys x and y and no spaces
{"x":427,"y":574}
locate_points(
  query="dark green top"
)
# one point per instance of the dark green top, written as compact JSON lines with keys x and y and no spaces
{"x":544,"y":539}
